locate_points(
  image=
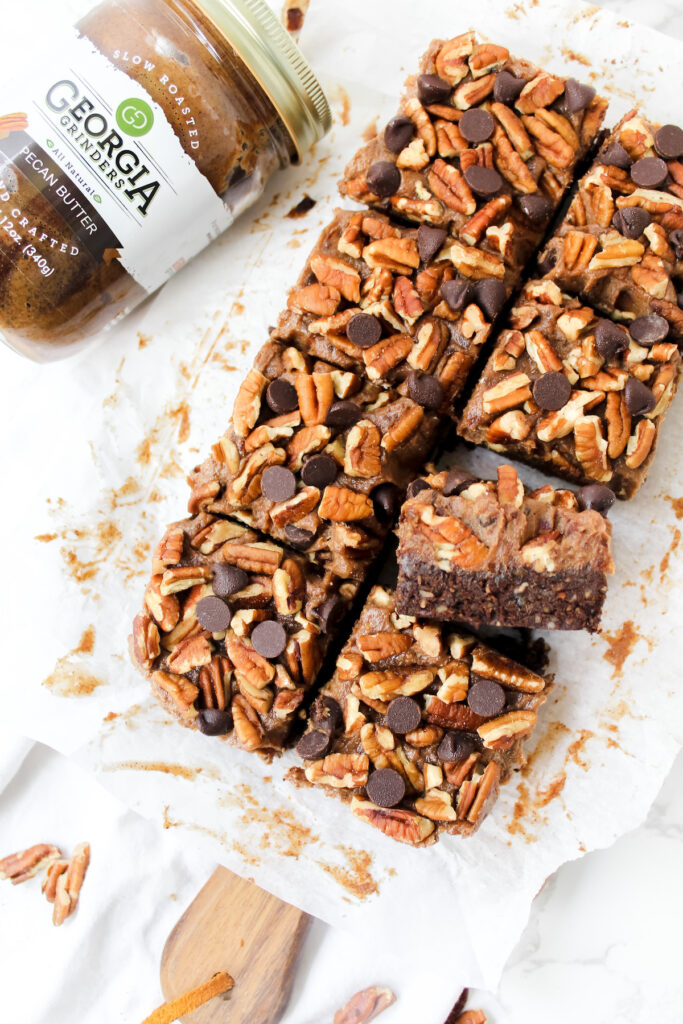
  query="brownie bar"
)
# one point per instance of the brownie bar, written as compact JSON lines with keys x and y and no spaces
{"x":419,"y":725}
{"x":387,"y":302}
{"x":317,"y":458}
{"x":491,"y":553}
{"x":485,"y":145}
{"x":234,"y":629}
{"x":620,"y":246}
{"x":574,"y":393}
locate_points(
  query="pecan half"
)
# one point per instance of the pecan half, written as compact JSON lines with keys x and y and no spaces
{"x":507,"y":393}
{"x":541,"y":91}
{"x":193,"y":652}
{"x":363,"y":457}
{"x":341,"y":771}
{"x":319,"y":299}
{"x":378,"y":646}
{"x":248,"y":402}
{"x":182,"y":692}
{"x":640,"y":443}
{"x":247,"y":726}
{"x":450,"y":186}
{"x":404,"y":826}
{"x":248,"y":664}
{"x":364,"y":1006}
{"x":404,"y":428}
{"x":386,"y":354}
{"x":450,"y":61}
{"x":398,"y":254}
{"x":145,"y":640}
{"x":336,"y":273}
{"x":341,"y":505}
{"x":491,"y":665}
{"x":18,"y":867}
{"x":501,"y":733}
{"x":590,"y":446}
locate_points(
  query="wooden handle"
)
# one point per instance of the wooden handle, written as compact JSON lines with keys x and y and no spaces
{"x":232,"y":925}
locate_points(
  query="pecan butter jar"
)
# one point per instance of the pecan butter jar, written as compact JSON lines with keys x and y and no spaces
{"x":142,"y":135}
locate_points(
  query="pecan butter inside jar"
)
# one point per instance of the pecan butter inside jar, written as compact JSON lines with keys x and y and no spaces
{"x":139,"y":138}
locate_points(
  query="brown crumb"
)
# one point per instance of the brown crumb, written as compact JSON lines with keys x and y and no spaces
{"x":301,"y":208}
{"x":676,"y":505}
{"x":69,"y":677}
{"x":620,"y":645}
{"x":356,"y":878}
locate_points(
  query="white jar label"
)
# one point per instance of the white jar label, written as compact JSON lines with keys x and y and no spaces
{"x":100,"y":150}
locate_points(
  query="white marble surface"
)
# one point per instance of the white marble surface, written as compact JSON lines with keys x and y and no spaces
{"x":601,"y":947}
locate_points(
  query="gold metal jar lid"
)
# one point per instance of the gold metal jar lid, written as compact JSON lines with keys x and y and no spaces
{"x":277,"y":64}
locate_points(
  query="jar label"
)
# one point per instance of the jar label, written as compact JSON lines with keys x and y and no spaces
{"x":96,"y":145}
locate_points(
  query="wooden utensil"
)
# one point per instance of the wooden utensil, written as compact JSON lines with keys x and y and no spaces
{"x":233,"y":926}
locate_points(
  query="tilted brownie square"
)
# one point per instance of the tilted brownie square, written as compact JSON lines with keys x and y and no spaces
{"x":487,"y":552}
{"x":620,"y":247}
{"x":574,"y":393}
{"x":419,"y":726}
{"x":233,"y":630}
{"x":316,"y":457}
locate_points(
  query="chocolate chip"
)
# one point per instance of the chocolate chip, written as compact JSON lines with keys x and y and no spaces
{"x":610,"y":339}
{"x":403,"y":715}
{"x":506,"y":88}
{"x":281,"y":396}
{"x":576,"y":96}
{"x":331,"y":612}
{"x":326,"y":713}
{"x":425,"y":389}
{"x":536,"y":208}
{"x":650,"y":172}
{"x":213,"y":722}
{"x":456,"y":481}
{"x":669,"y":141}
{"x":383,"y":178}
{"x":631,"y":221}
{"x":457,"y":293}
{"x":483,"y":181}
{"x":476,"y":125}
{"x":638,"y":397}
{"x":386,"y":787}
{"x":486,"y":698}
{"x":552,"y":391}
{"x":364,"y":330}
{"x":314,"y":744}
{"x":455,"y":746}
{"x":676,"y":239}
{"x":343,"y":414}
{"x":278,"y":483}
{"x":615,"y":155}
{"x":432,"y":89}
{"x":490,"y":295}
{"x":398,"y":134}
{"x":648,"y":330}
{"x":319,"y":471}
{"x":415,"y":486}
{"x":298,"y":537}
{"x":386,"y":500}
{"x":596,"y":497}
{"x":429,"y":241}
{"x":269,"y":639}
{"x":228,"y":579}
{"x":213,"y":614}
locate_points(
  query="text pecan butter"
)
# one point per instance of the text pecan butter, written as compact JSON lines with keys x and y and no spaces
{"x":141,"y":137}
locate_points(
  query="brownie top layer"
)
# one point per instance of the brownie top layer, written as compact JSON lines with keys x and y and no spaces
{"x":495,"y":526}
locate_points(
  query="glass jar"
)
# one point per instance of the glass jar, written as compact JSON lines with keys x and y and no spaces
{"x":139,"y":138}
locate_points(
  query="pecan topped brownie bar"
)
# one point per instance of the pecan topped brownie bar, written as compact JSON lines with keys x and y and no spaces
{"x":491,"y":553}
{"x":419,"y":725}
{"x":620,"y":247}
{"x":574,"y":393}
{"x":485,"y":145}
{"x":316,"y":457}
{"x":233,"y":630}
{"x":387,"y":302}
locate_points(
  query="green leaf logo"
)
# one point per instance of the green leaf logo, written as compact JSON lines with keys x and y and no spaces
{"x":97,"y":198}
{"x":49,"y":143}
{"x":134,"y":117}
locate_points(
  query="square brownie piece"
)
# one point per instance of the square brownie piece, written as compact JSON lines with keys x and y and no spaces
{"x":620,"y":246}
{"x":484,"y":145}
{"x":234,"y":629}
{"x":574,"y":393}
{"x":488,"y":552}
{"x":317,"y":458}
{"x":387,"y":302}
{"x":419,"y":726}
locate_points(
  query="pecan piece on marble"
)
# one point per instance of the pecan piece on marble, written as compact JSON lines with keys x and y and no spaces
{"x":69,"y":884}
{"x":18,"y":867}
{"x":364,"y":1006}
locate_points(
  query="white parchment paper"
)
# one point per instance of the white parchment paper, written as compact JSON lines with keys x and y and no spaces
{"x":94,"y":454}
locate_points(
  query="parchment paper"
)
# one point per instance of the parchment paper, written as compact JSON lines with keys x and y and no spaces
{"x":94,"y":455}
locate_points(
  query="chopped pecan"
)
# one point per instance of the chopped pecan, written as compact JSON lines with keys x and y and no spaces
{"x":248,"y":402}
{"x":430,"y":340}
{"x":636,"y":137}
{"x":652,"y":276}
{"x":341,"y":771}
{"x":418,"y":209}
{"x":306,"y":442}
{"x":378,"y":646}
{"x":169,"y":550}
{"x":454,"y":540}
{"x":488,"y":214}
{"x":510,"y":163}
{"x":617,"y":252}
{"x":491,"y":665}
{"x":590,"y":446}
{"x":18,"y":867}
{"x":487,"y":57}
{"x":540,"y":553}
{"x":473,"y":263}
{"x":315,"y":392}
{"x":340,"y":504}
{"x":202,"y":496}
{"x":145,"y":640}
{"x":278,"y":429}
{"x":500,"y":733}
{"x":164,"y":608}
{"x":336,"y":273}
{"x":256,"y":556}
{"x":303,"y":502}
{"x":181,"y":691}
{"x":470,"y":94}
{"x":511,"y":426}
{"x":49,"y":884}
{"x":574,"y":322}
{"x":246,"y":486}
{"x":487,"y":787}
{"x":379,"y":359}
{"x":559,"y":424}
{"x":69,"y":884}
{"x":404,"y":428}
{"x":246,"y":723}
{"x":404,"y":826}
{"x":429,"y":640}
{"x":449,"y":139}
{"x":406,"y":300}
{"x":193,"y":652}
{"x":425,"y":736}
{"x":364,"y":1006}
{"x":509,"y":487}
{"x":183,"y":577}
{"x":363,"y":457}
{"x":398,"y":254}
{"x":214,"y":682}
{"x":436,"y":805}
{"x":248,"y":664}
{"x":319,"y":299}
{"x":385,"y":685}
{"x":514,"y":129}
{"x":549,"y":144}
{"x":541,"y":351}
{"x":450,"y":61}
{"x":611,"y":379}
{"x":450,"y":186}
{"x":354,"y":719}
{"x":578,"y":249}
{"x":618,"y":424}
{"x":640,"y":443}
{"x":541,"y":91}
{"x":351,"y":238}
{"x":426,"y":134}
{"x":216,"y":533}
{"x":507,"y":393}
{"x":349,"y":665}
{"x":455,"y":681}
